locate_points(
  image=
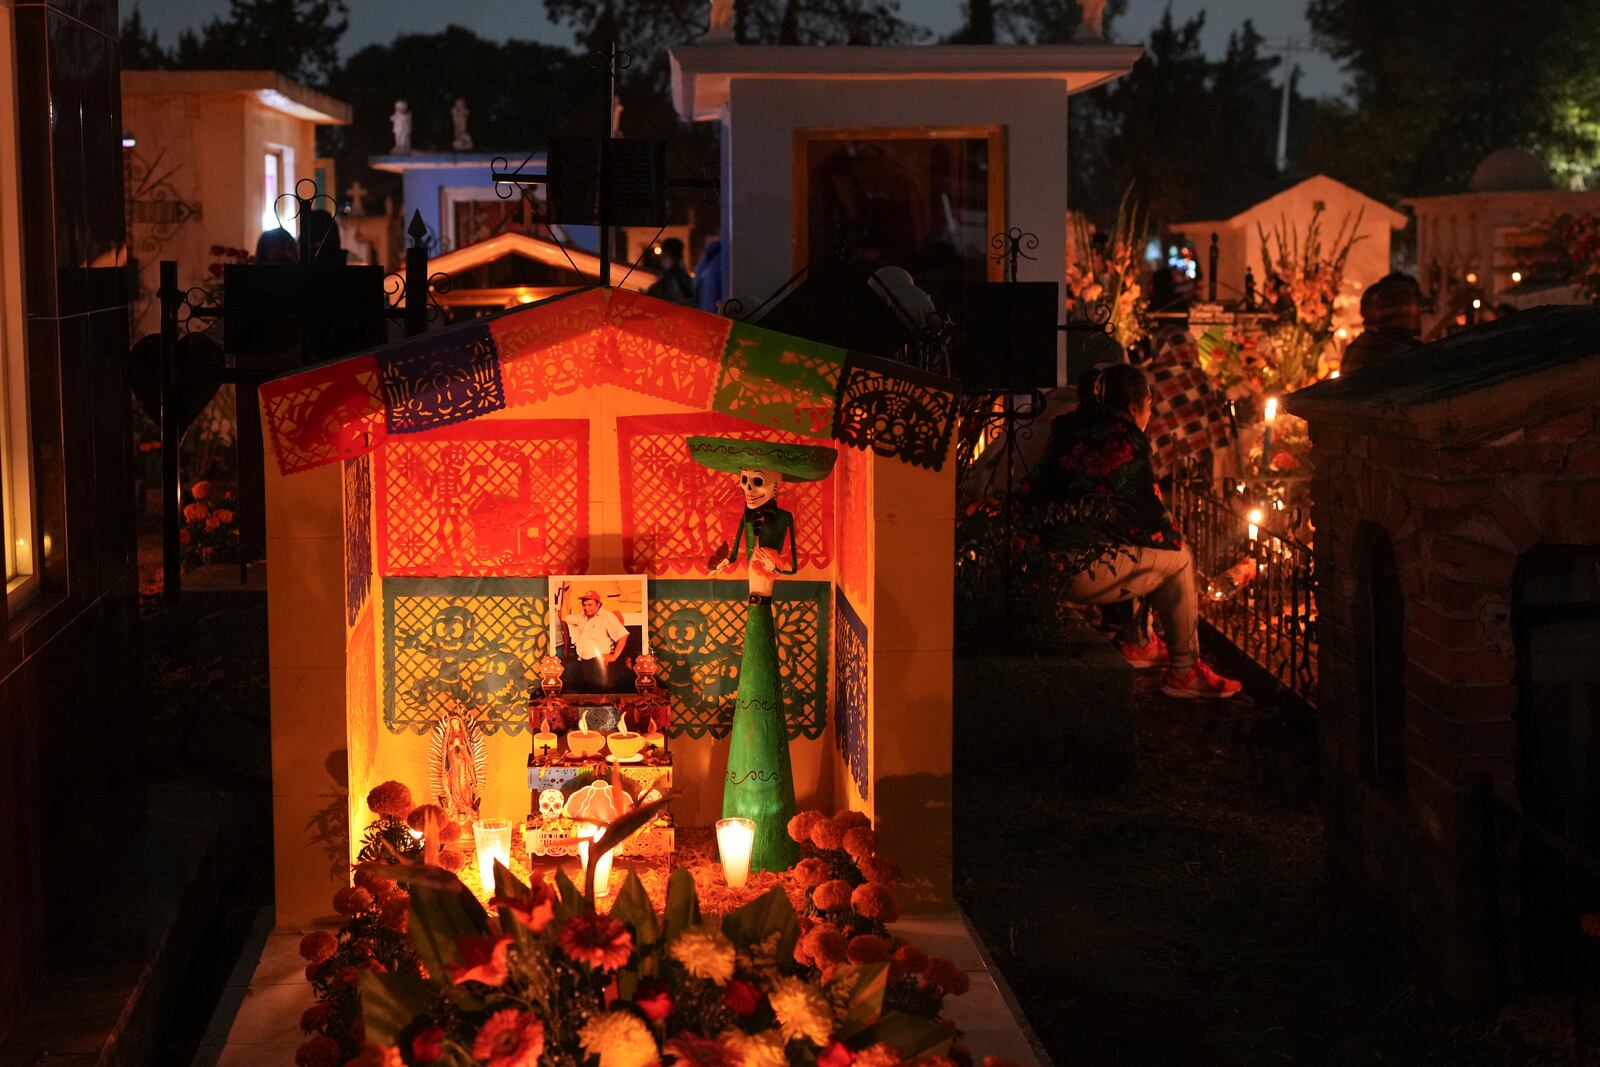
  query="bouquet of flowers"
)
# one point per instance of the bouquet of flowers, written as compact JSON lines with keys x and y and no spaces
{"x":1305,"y":282}
{"x":1575,"y":239}
{"x":210,"y":530}
{"x":1109,"y":272}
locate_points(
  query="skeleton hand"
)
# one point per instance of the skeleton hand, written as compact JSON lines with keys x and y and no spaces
{"x":764,"y":560}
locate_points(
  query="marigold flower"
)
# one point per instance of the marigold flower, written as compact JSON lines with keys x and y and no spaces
{"x":376,"y":884}
{"x":831,"y":896}
{"x":800,"y":826}
{"x":859,"y":841}
{"x":765,"y":1049}
{"x":835,"y":1055}
{"x":314,"y":1018}
{"x":909,"y":959}
{"x":882,"y":1054}
{"x":824,"y":946}
{"x":705,"y":952}
{"x":620,"y":1039}
{"x":396,"y":914}
{"x":352,"y":900}
{"x":483,"y":959}
{"x":184,"y":537}
{"x":223,"y":515}
{"x":742,"y":998}
{"x":810,"y":872}
{"x":318,"y":945}
{"x":195,"y":512}
{"x":535,"y":908}
{"x":320,"y":1051}
{"x":692,"y":1050}
{"x":802,"y":1011}
{"x":390,"y":798}
{"x":200,"y":490}
{"x":451,"y":860}
{"x":600,"y":941}
{"x":427,"y":1044}
{"x":510,"y":1038}
{"x":848,"y":820}
{"x":417,"y":817}
{"x":873,"y":901}
{"x":825,"y":835}
{"x":877,"y":869}
{"x":944,"y":975}
{"x":867,"y":948}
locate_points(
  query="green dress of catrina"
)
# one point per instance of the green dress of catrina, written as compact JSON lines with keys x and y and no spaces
{"x":760,"y":783}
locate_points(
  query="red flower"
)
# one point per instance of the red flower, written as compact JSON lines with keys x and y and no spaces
{"x":534,"y":908}
{"x":483,"y":959}
{"x":741,"y":997}
{"x":318,"y":945}
{"x":320,"y":1051}
{"x":390,"y":798}
{"x":846,"y":821}
{"x":510,"y":1038}
{"x":428,"y":1044}
{"x":835,"y":1055}
{"x":655,"y":1000}
{"x":1285,"y":461}
{"x":352,"y":900}
{"x":598,"y":940}
{"x":200,"y":490}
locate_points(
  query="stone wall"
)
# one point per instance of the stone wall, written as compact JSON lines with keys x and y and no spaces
{"x":1459,"y":516}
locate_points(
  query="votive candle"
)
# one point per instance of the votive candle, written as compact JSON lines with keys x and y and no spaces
{"x":602,"y":865}
{"x":493,"y":840}
{"x":735,"y":839}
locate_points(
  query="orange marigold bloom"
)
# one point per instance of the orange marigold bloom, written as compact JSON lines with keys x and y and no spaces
{"x":352,"y":900}
{"x":200,"y":490}
{"x":510,"y":1038}
{"x":195,"y":512}
{"x":831,"y":896}
{"x":825,"y":835}
{"x":452,"y":860}
{"x":396,"y":914}
{"x":849,"y":820}
{"x":376,"y":884}
{"x":810,"y":872}
{"x":483,"y":959}
{"x":417,"y":818}
{"x":877,"y":869}
{"x":314,"y":1018}
{"x":824,"y":947}
{"x":223,"y":515}
{"x":318,"y":945}
{"x":944,"y":975}
{"x":320,"y":1051}
{"x":800,"y":826}
{"x":390,"y":798}
{"x":867,"y":948}
{"x":600,"y":941}
{"x":873,"y":901}
{"x":859,"y":841}
{"x":908,"y":959}
{"x":882,"y":1054}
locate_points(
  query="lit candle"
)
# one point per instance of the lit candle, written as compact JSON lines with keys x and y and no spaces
{"x":735,"y":839}
{"x":654,"y":739}
{"x":493,"y":840}
{"x":1266,"y":438}
{"x":623,"y":742}
{"x":584,"y":741}
{"x":1255,"y":523}
{"x":602,"y":866}
{"x":544,"y":742}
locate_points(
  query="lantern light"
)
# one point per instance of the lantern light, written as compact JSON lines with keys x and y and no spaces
{"x":1472,"y":279}
{"x":1516,"y":276}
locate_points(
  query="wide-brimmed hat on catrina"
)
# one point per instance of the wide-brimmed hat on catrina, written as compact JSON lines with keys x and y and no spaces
{"x":797,"y":463}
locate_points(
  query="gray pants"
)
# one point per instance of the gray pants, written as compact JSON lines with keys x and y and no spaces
{"x":1163,"y":577}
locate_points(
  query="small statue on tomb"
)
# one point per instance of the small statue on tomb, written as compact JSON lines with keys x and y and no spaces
{"x":456,"y":764}
{"x":1091,"y":24}
{"x":461,"y":140}
{"x":400,"y":123}
{"x":720,"y":29}
{"x":760,"y":781}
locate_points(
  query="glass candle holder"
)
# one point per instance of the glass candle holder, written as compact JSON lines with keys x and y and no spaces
{"x":735,"y":839}
{"x":493,"y":840}
{"x":602,"y":866}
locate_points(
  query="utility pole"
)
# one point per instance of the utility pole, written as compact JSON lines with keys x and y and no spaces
{"x":1291,"y":71}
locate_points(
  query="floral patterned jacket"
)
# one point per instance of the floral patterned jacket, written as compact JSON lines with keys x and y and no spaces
{"x":1098,"y":457}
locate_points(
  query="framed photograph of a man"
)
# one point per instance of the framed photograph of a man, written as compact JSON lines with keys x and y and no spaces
{"x":599,"y":624}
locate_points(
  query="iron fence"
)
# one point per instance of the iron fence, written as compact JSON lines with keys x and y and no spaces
{"x":1258,"y":581}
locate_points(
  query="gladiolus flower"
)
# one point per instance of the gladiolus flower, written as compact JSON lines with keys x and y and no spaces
{"x":318,"y":945}
{"x":742,"y":998}
{"x":598,"y":940}
{"x":873,"y":901}
{"x":483,"y":959}
{"x":352,"y":900}
{"x":390,"y":798}
{"x":831,"y":896}
{"x":510,"y":1038}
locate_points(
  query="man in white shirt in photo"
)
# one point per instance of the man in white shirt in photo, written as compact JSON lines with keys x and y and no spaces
{"x":598,"y":639}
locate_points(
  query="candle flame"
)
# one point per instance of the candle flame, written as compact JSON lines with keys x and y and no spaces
{"x":1272,"y":409}
{"x":544,"y":725}
{"x":583,"y":721}
{"x":1255,"y":516}
{"x":652,"y":724}
{"x":624,"y":722}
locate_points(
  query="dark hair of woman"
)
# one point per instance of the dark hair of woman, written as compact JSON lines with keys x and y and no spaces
{"x":1120,"y":386}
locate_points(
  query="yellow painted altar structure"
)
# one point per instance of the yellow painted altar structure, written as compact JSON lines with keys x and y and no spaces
{"x":423,"y":494}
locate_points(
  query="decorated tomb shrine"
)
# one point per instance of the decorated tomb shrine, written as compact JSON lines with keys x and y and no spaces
{"x":440,"y":511}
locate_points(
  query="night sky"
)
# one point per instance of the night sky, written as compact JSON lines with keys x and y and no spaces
{"x":380,"y":20}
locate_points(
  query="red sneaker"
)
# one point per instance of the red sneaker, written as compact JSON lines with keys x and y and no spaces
{"x":1152,"y":653}
{"x":1198,"y":683}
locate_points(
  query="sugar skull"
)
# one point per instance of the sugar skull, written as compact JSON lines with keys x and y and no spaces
{"x":550,"y":803}
{"x":759,"y":485}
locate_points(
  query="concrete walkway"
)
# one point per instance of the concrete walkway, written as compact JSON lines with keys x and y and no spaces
{"x":257,"y":1023}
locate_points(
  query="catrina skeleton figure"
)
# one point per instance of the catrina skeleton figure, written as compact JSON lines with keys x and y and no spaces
{"x":760,"y":782}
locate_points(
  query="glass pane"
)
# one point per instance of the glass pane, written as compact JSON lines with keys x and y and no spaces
{"x":917,"y":203}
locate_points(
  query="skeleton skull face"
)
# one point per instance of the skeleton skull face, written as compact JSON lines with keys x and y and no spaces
{"x":758,"y":486}
{"x":550,"y":803}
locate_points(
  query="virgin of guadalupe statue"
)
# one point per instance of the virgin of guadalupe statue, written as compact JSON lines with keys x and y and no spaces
{"x":456,"y":764}
{"x":760,"y":782}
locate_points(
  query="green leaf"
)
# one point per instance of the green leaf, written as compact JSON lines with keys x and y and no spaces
{"x":913,"y":1037}
{"x":570,"y":900}
{"x":770,"y":913}
{"x":389,"y":1003}
{"x":859,"y":992}
{"x":683,"y":904}
{"x":439,"y":914}
{"x":633,"y":907}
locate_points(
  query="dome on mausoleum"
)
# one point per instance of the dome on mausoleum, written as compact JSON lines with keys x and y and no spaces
{"x":1511,"y":170}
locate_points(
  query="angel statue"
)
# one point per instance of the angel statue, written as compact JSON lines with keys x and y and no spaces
{"x":760,"y":782}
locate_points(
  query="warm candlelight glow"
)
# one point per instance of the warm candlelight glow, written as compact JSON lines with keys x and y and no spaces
{"x":1255,"y":523}
{"x":602,"y":866}
{"x":653,"y":738}
{"x":493,"y":840}
{"x":584,"y":741}
{"x":1272,"y":410}
{"x":544,"y":742}
{"x":735,"y":839}
{"x":1516,"y":276}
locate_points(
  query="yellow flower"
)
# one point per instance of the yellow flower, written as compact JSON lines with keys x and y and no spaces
{"x":706,"y":953}
{"x":756,"y":1050}
{"x":802,"y":1010}
{"x":620,"y":1039}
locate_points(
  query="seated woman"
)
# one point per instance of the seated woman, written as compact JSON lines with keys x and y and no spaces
{"x":1099,"y":460}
